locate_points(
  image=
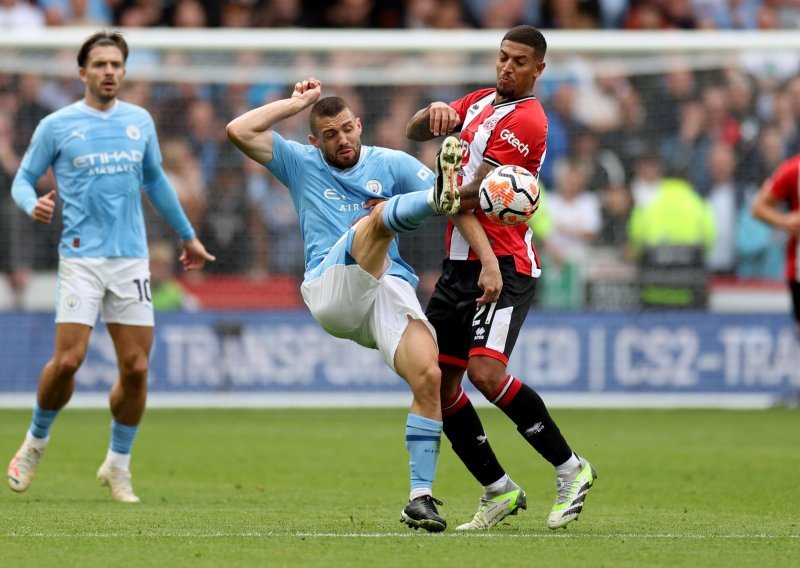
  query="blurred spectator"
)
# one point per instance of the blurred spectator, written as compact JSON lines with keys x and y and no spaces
{"x":189,"y":14}
{"x":759,"y":247}
{"x":420,"y":13}
{"x":741,"y":97}
{"x":275,"y":228}
{"x":166,"y":291}
{"x":238,"y":13}
{"x":449,"y":15}
{"x":205,"y":135}
{"x":504,"y":14}
{"x":570,"y":14}
{"x":616,"y":203}
{"x":687,"y":151}
{"x":575,"y":213}
{"x":665,"y":94}
{"x":632,"y":136}
{"x":140,"y":13}
{"x":575,"y":217}
{"x":561,"y":128}
{"x":602,"y":166}
{"x":612,"y":13}
{"x":725,"y":195}
{"x":183,"y":170}
{"x":280,"y":14}
{"x":726,"y":14}
{"x":597,"y":103}
{"x":20,"y":14}
{"x":768,"y":154}
{"x":646,"y":15}
{"x":16,"y":230}
{"x":226,"y":230}
{"x":77,"y":12}
{"x":647,"y":177}
{"x":29,"y":110}
{"x":680,"y":14}
{"x":60,"y":90}
{"x":359,"y":14}
{"x":670,"y":237}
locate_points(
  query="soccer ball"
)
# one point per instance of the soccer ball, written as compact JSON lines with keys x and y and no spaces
{"x":509,"y":195}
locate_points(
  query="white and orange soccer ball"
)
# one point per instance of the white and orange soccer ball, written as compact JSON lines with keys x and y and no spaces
{"x":509,"y":195}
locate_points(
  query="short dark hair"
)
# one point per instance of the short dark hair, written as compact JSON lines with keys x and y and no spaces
{"x":327,"y":107}
{"x":103,"y":37}
{"x":529,"y":36}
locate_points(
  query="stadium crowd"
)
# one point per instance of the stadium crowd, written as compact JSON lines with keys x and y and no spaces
{"x":618,"y":138}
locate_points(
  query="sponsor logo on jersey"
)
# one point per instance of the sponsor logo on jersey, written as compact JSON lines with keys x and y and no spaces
{"x":374,"y":186}
{"x":133,"y":132}
{"x":113,"y":162}
{"x":515,"y":142}
{"x":78,"y":134}
{"x":332,"y":194}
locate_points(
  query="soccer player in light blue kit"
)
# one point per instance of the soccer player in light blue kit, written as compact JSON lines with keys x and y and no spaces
{"x":352,"y":200}
{"x":103,"y":153}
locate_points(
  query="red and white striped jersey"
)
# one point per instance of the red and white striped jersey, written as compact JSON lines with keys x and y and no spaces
{"x":784,"y":185}
{"x":509,"y":133}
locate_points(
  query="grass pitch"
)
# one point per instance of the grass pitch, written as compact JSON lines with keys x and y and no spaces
{"x":325,"y":488}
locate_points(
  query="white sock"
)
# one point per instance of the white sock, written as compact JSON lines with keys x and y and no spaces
{"x":38,"y":443}
{"x":419,"y":492}
{"x":568,"y":465}
{"x":496,"y":487}
{"x":121,"y":461}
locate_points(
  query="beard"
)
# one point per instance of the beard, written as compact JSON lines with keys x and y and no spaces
{"x":344,"y":163}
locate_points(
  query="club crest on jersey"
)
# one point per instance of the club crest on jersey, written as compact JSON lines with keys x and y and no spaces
{"x":490,"y":124}
{"x":374,"y":186}
{"x":72,"y":302}
{"x":133,"y":132}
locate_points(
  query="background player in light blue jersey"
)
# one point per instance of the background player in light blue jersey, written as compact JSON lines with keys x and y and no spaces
{"x":103,"y":153}
{"x":356,"y":285}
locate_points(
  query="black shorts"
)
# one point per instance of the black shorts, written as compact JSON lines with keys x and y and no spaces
{"x":794,"y":288}
{"x":463,"y":330}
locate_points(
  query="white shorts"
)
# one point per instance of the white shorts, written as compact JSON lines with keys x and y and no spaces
{"x":118,"y":288}
{"x":350,"y":303}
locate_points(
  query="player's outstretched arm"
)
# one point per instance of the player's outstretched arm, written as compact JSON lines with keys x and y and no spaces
{"x":251,"y":132}
{"x":436,"y":119}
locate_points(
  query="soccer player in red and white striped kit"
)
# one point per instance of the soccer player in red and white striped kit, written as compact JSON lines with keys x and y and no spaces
{"x":504,"y":125}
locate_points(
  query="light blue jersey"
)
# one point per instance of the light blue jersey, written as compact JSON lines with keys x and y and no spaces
{"x":328,"y":200}
{"x":101,"y":161}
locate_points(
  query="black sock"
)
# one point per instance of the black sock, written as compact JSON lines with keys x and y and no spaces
{"x":527,"y":410}
{"x":463,"y":428}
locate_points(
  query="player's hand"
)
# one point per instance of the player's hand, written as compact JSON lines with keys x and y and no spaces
{"x":308,"y":91}
{"x":195,"y":255}
{"x":491,"y":282}
{"x":45,"y":208}
{"x":443,"y":118}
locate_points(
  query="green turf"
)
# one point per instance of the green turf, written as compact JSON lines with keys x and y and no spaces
{"x":325,"y":488}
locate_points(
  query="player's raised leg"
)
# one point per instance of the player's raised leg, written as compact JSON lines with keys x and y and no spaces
{"x":407,"y":211}
{"x":127,"y":400}
{"x":56,"y":384}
